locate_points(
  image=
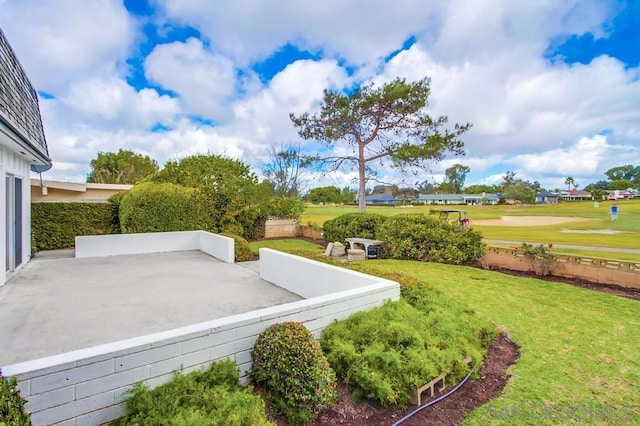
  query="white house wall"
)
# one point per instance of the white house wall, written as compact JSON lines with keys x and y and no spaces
{"x":12,"y":163}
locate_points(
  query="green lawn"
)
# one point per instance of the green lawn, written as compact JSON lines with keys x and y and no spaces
{"x":628,"y":225}
{"x":579,"y":348}
{"x":284,"y":244}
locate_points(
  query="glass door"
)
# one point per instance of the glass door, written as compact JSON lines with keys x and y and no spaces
{"x":13,"y":223}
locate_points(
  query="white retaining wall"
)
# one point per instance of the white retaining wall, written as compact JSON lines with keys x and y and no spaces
{"x":155,"y":242}
{"x":87,"y":387}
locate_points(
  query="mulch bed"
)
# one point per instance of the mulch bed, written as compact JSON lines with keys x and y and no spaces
{"x":449,"y":411}
{"x":629,"y":293}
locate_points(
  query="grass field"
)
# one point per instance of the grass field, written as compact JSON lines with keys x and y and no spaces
{"x":598,"y":230}
{"x":579,"y":359}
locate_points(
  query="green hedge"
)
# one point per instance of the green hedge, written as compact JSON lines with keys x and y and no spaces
{"x":55,"y":225}
{"x":420,"y":237}
{"x":241,"y":248}
{"x":360,"y":225}
{"x":163,"y":207}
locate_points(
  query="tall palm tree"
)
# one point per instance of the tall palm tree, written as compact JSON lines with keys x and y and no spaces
{"x":570,"y":181}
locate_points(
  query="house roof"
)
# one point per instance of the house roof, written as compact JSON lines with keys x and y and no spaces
{"x":547,"y":194}
{"x":458,"y":196}
{"x":576,"y":193}
{"x":20,"y":120}
{"x":79,"y":187}
{"x":380,"y":197}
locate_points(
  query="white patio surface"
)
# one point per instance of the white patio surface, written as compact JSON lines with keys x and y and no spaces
{"x":55,"y":305}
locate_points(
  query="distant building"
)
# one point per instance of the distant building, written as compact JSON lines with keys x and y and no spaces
{"x":381,"y":199}
{"x":468,"y":199}
{"x":47,"y":191}
{"x":575,"y":195}
{"x":385,"y":199}
{"x":621,"y":194}
{"x":545,"y":197}
{"x":23,"y":149}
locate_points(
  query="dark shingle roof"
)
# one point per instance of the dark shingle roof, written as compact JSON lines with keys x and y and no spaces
{"x":380,"y":197}
{"x":19,"y":108}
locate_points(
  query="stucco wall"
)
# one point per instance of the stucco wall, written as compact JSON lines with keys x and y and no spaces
{"x":155,"y":242}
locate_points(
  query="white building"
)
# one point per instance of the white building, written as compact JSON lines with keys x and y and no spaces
{"x":23,"y":149}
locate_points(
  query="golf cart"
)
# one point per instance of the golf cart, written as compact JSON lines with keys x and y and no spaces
{"x":454,"y":217}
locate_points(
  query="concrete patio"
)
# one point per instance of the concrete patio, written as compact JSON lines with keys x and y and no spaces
{"x":79,"y":328}
{"x":57,"y":303}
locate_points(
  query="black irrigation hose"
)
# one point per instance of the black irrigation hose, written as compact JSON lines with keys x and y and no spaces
{"x":438,"y":399}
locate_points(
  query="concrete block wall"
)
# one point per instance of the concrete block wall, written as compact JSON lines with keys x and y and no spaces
{"x":88,"y":387}
{"x":601,"y":271}
{"x":155,"y":242}
{"x":280,"y":228}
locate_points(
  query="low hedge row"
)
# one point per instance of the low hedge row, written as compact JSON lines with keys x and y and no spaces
{"x":149,"y":207}
{"x":410,"y":236}
{"x":55,"y":225}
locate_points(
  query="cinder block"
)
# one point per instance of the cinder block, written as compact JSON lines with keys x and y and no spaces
{"x":102,"y":416}
{"x":255,"y":329}
{"x":243,"y":357}
{"x":114,"y":381}
{"x":152,"y":382}
{"x":244,"y":344}
{"x":178,"y":363}
{"x":147,"y":357}
{"x":70,"y":377}
{"x":73,"y":409}
{"x":222,"y":351}
{"x":50,"y":399}
{"x":24,"y":386}
{"x":70,"y":422}
{"x":208,"y":341}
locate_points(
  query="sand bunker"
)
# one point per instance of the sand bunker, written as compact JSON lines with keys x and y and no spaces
{"x":593,"y":231}
{"x":528,"y":220}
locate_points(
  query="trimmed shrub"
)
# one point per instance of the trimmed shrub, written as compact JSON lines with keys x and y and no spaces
{"x":253,"y":223}
{"x":351,"y":225}
{"x":241,"y":248}
{"x":284,"y":207}
{"x":389,"y":351}
{"x":55,"y":225}
{"x":115,"y":201}
{"x":298,"y":379}
{"x":212,"y":397}
{"x":12,"y":411}
{"x":163,"y":207}
{"x":420,"y":237}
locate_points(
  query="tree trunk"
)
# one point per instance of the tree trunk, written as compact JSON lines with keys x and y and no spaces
{"x":362,"y":202}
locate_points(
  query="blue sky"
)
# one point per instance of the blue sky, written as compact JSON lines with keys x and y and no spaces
{"x":552,"y":88}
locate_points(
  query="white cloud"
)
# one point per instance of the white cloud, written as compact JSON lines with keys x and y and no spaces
{"x":58,"y":41}
{"x":485,"y":58}
{"x":204,"y":80}
{"x":114,"y":104}
{"x":357,"y":30}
